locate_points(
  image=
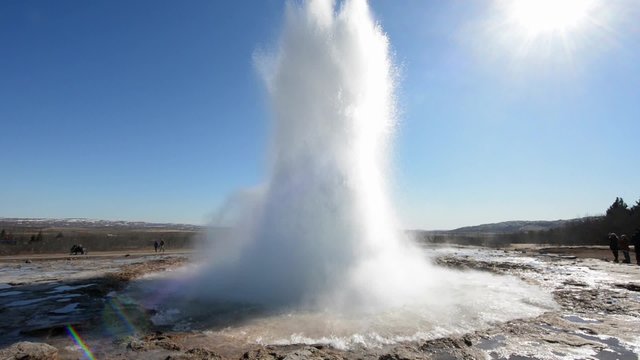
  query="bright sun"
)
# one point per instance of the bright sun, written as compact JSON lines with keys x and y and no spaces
{"x":540,"y":17}
{"x":548,"y":32}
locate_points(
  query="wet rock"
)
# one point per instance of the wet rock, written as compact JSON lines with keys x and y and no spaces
{"x":196,"y":354}
{"x":299,"y":355}
{"x":29,"y":351}
{"x":451,"y":348}
{"x":444,"y":343}
{"x":588,"y":331}
{"x":630,"y":286}
{"x":167,"y":345}
{"x":153,"y":342}
{"x":137,"y":345}
{"x":467,"y":341}
{"x":203,"y":353}
{"x":572,"y":282}
{"x":288,"y":353}
{"x":162,"y":341}
{"x":259,"y":354}
{"x":404,"y":353}
{"x":567,"y":339}
{"x":469,"y":263}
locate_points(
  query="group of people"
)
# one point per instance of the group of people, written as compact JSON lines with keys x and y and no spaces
{"x":621,"y":243}
{"x":159,"y":246}
{"x":77,"y":249}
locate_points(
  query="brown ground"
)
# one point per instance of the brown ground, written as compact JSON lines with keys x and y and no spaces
{"x":612,"y":312}
{"x":95,"y":254}
{"x":580,"y":252}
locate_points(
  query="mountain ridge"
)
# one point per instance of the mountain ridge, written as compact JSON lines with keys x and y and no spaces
{"x":92,"y":224}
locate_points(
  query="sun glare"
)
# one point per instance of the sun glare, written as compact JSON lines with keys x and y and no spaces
{"x":538,"y":17}
{"x":547,"y":31}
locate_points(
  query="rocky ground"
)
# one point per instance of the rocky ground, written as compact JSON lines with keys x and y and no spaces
{"x":598,"y":315}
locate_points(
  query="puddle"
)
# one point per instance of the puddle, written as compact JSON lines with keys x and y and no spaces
{"x":614,"y":351}
{"x":34,"y":301}
{"x":68,"y":297}
{"x":63,"y":288}
{"x":492,"y":343}
{"x":26,"y":302}
{"x":66,"y":310}
{"x":550,"y":328}
{"x":580,"y":320}
{"x":10,"y":293}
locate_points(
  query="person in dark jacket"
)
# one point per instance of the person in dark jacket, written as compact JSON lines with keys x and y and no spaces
{"x":635,"y":240}
{"x":613,"y":245}
{"x":624,"y":246}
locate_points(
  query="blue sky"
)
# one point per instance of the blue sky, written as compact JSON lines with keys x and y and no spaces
{"x":153,"y":110}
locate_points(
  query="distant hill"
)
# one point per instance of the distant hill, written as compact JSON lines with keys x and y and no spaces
{"x":83,"y":223}
{"x":579,"y":231}
{"x":509,"y":227}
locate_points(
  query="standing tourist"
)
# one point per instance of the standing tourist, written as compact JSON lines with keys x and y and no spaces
{"x":624,"y":246}
{"x":613,"y":245}
{"x":635,"y":240}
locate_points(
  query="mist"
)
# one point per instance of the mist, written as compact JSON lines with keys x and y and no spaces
{"x":320,"y":233}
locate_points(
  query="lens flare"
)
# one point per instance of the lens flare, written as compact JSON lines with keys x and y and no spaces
{"x":78,"y":340}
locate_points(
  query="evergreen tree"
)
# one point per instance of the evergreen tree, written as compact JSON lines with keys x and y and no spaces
{"x":3,"y":234}
{"x":618,"y":218}
{"x":39,"y":236}
{"x":635,"y":216}
{"x":618,"y":206}
{"x":59,"y":236}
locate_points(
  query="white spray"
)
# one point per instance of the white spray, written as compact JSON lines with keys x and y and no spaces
{"x":323,"y":221}
{"x":318,"y":245}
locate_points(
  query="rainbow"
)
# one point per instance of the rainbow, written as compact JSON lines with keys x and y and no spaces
{"x":78,"y":340}
{"x":117,"y":308}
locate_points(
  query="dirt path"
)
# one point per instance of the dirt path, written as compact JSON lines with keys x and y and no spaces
{"x":599,"y":252}
{"x":584,"y":252}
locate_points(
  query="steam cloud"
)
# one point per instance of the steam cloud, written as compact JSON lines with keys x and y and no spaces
{"x":316,"y":254}
{"x":321,"y":231}
{"x":322,"y":226}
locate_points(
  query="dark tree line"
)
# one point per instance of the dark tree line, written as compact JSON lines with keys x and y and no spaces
{"x":618,"y":218}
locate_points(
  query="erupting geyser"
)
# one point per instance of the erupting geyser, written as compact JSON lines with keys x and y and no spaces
{"x":317,"y":247}
{"x":323,"y":225}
